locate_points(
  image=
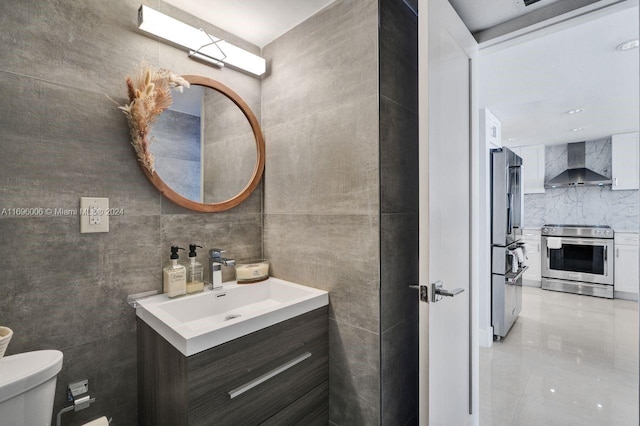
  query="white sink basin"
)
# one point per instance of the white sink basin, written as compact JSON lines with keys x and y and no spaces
{"x":195,"y":323}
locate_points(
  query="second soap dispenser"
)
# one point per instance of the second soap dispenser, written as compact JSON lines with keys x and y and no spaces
{"x":195,"y":272}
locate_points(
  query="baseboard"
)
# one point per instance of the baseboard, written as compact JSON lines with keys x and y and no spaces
{"x":626,"y":295}
{"x":485,"y":337}
{"x":531,"y":283}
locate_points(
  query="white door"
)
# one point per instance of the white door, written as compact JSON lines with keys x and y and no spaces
{"x":446,"y":105}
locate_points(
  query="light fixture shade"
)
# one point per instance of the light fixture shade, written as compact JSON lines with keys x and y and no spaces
{"x":191,"y":38}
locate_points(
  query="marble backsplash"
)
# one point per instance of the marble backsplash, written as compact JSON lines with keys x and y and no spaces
{"x":583,"y":206}
{"x":586,"y":205}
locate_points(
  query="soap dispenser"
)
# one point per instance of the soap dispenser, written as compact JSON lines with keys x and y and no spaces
{"x":195,"y":272}
{"x":174,"y":275}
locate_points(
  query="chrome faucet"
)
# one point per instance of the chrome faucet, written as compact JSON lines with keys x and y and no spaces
{"x":216,"y":261}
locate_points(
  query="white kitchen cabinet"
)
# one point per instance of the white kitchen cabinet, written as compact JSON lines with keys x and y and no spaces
{"x":625,"y":161}
{"x":533,"y":159}
{"x":491,"y":128}
{"x":626,"y":268}
{"x":532,"y":242}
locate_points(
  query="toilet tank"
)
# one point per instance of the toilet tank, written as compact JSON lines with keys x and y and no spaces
{"x":27,"y":387}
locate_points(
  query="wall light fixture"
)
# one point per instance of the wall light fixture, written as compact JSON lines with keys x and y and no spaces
{"x":201,"y":45}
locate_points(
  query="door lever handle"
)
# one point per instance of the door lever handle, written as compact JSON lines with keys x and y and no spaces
{"x":449,"y":293}
{"x":437,"y":292}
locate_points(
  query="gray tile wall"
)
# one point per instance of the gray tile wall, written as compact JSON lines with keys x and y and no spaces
{"x":399,"y":211}
{"x":229,"y":151}
{"x":176,"y":150}
{"x":321,"y":216}
{"x":62,"y":138}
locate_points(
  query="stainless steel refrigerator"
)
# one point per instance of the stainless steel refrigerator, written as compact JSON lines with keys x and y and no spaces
{"x":507,"y":251}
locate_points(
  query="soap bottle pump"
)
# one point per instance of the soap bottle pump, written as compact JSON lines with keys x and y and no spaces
{"x":174,"y":275}
{"x":195,"y":272}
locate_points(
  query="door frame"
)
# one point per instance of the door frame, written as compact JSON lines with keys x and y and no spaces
{"x":471,"y":48}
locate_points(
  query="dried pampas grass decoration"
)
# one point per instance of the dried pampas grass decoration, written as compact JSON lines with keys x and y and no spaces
{"x":149,"y":95}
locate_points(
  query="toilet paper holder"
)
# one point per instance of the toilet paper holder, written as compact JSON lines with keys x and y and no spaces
{"x":78,"y":394}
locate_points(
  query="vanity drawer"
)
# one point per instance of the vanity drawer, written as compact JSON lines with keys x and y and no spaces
{"x":311,"y":409}
{"x":248,"y":380}
{"x":274,"y":373}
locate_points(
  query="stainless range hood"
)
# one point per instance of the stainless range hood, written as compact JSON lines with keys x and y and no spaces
{"x":577,"y":174}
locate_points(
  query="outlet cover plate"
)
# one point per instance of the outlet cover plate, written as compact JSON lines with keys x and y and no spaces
{"x":94,"y":215}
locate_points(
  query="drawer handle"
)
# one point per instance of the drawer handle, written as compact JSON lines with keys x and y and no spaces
{"x":255,"y":382}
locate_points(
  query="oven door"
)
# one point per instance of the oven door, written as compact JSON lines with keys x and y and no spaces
{"x":579,"y":259}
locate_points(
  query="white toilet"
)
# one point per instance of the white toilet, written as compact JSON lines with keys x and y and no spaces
{"x":27,"y":387}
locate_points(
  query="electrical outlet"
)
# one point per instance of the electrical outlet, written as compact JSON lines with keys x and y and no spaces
{"x":94,"y":215}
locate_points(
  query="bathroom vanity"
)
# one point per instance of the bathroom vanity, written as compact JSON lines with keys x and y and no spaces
{"x":275,"y":375}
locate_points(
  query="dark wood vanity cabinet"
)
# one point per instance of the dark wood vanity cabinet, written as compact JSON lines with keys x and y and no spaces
{"x":275,"y":376}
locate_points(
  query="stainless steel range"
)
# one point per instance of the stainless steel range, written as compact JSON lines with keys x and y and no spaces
{"x":578,"y":259}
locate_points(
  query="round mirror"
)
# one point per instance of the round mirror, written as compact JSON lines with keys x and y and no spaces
{"x":208,"y":147}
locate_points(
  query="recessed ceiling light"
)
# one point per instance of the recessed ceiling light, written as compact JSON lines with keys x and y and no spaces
{"x":577,"y":129}
{"x":628,"y":45}
{"x":511,"y":139}
{"x":575,"y":111}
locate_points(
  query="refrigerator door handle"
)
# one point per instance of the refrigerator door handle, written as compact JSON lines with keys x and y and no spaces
{"x":521,"y":189}
{"x":509,"y":213}
{"x":512,"y":278}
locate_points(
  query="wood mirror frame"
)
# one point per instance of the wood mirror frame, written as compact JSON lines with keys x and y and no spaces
{"x":257,"y":171}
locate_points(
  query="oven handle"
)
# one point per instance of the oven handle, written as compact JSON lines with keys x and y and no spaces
{"x":584,"y":241}
{"x":605,"y":253}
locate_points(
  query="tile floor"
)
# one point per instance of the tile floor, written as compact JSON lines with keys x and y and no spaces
{"x":568,"y":360}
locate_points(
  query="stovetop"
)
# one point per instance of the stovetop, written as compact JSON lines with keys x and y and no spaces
{"x":582,"y":231}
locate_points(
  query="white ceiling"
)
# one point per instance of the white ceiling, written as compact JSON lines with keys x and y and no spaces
{"x":482,"y":14}
{"x":530,"y":86}
{"x":257,"y":21}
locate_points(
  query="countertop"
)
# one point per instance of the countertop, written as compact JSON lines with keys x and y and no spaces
{"x":626,"y":231}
